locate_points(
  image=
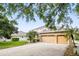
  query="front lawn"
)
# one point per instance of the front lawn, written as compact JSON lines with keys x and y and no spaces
{"x":9,"y":44}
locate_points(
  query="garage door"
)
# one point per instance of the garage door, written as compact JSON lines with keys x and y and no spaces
{"x":49,"y":39}
{"x":62,"y":40}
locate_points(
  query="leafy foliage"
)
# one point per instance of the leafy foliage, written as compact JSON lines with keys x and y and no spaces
{"x":15,"y":39}
{"x":32,"y":35}
{"x":71,"y":34}
{"x":77,"y":37}
{"x":51,"y":14}
{"x":7,"y":27}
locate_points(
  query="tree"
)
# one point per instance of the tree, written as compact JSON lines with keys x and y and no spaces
{"x":32,"y":36}
{"x":7,"y":27}
{"x":71,"y":34}
{"x":52,"y":14}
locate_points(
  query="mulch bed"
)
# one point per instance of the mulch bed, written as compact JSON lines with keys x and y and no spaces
{"x":70,"y":51}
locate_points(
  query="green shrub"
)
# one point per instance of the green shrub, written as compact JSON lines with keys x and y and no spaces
{"x":35,"y":40}
{"x":15,"y":39}
{"x":38,"y":40}
{"x":77,"y":37}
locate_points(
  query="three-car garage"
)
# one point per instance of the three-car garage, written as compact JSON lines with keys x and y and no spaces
{"x":54,"y":37}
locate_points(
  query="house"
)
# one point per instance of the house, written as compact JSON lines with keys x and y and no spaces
{"x":41,"y":29}
{"x":2,"y":39}
{"x":46,"y":35}
{"x":52,"y":36}
{"x":21,"y":35}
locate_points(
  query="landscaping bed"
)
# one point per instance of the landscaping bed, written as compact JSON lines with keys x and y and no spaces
{"x":9,"y":44}
{"x":69,"y":51}
{"x":72,"y":51}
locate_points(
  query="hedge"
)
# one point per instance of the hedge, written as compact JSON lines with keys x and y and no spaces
{"x":15,"y":39}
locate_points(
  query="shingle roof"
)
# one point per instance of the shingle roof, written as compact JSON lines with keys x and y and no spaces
{"x":20,"y":33}
{"x":43,"y":29}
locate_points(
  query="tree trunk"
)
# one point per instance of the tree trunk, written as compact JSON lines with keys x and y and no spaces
{"x":71,"y":41}
{"x":74,"y":43}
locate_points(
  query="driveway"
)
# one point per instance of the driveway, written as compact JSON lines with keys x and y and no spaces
{"x":35,"y":49}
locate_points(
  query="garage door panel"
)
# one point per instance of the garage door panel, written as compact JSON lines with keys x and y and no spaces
{"x":56,"y":39}
{"x":62,"y":40}
{"x":49,"y":39}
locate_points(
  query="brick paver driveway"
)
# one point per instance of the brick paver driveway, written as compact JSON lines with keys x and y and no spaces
{"x":35,"y":49}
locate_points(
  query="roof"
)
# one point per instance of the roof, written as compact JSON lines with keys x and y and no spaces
{"x":44,"y":29}
{"x":20,"y":33}
{"x":53,"y":32}
{"x":38,"y":28}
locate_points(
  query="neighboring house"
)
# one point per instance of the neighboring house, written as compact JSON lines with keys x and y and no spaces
{"x":2,"y":39}
{"x":52,"y":36}
{"x":21,"y":35}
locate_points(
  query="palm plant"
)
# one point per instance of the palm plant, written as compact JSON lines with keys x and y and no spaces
{"x":71,"y":33}
{"x":32,"y":36}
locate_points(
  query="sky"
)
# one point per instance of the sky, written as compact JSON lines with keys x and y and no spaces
{"x":27,"y":26}
{"x":75,"y":19}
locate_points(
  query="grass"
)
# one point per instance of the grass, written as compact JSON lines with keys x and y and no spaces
{"x":9,"y":44}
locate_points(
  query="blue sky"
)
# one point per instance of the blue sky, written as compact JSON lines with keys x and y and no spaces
{"x":27,"y":26}
{"x":75,"y":19}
